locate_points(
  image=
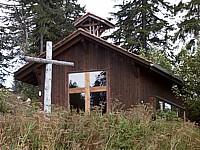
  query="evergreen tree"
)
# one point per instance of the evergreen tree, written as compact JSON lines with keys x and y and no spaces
{"x":141,"y":24}
{"x":9,"y":39}
{"x":3,"y":60}
{"x":189,"y":27}
{"x":158,"y":57}
{"x":15,"y":31}
{"x":16,"y":23}
{"x":188,"y":68}
{"x":31,"y":23}
{"x":27,"y":25}
{"x":53,"y":20}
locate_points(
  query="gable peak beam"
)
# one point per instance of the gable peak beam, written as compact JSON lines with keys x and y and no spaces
{"x":94,"y":24}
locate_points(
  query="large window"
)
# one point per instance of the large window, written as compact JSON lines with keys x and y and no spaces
{"x":87,"y":91}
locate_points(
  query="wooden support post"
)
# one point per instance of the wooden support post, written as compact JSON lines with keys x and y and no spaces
{"x":184,"y":115}
{"x":177,"y":112}
{"x":48,"y":78}
{"x":87,"y":92}
{"x":163,"y":105}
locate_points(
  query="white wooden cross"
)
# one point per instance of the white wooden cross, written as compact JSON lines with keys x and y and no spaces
{"x":48,"y":73}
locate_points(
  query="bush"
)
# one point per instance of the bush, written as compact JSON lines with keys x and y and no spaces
{"x":4,"y":105}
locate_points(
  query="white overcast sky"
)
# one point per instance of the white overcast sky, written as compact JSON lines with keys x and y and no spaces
{"x":103,"y":7}
{"x":99,"y":7}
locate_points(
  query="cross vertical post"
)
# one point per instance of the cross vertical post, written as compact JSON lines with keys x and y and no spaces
{"x":48,"y":79}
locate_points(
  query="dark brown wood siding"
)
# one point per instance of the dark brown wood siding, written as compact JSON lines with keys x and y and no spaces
{"x":123,"y":80}
{"x":153,"y":84}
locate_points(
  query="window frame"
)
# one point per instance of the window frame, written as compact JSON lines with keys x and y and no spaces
{"x":87,"y":89}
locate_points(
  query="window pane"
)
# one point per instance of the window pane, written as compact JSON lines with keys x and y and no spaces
{"x":161,"y":105}
{"x":167,"y":106}
{"x":98,"y":78}
{"x":77,"y":101}
{"x":76,"y":80}
{"x":98,"y":101}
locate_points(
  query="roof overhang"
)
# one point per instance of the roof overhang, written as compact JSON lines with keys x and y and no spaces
{"x":158,"y":69}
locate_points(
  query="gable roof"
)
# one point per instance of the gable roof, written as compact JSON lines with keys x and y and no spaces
{"x":27,"y":70}
{"x":89,"y":15}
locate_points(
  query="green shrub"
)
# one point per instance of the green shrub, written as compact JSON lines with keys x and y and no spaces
{"x":4,"y":105}
{"x":167,"y":115}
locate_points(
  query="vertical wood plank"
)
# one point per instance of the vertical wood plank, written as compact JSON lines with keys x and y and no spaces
{"x":87,"y":92}
{"x":65,"y":86}
{"x":138,"y":83}
{"x":108,"y":97}
{"x":48,"y":79}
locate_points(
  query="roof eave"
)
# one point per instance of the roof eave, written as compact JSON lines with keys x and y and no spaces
{"x":166,"y":74}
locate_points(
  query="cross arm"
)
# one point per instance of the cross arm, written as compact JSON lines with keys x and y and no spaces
{"x":45,"y":61}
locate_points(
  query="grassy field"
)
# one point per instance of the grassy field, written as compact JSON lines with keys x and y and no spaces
{"x":24,"y":128}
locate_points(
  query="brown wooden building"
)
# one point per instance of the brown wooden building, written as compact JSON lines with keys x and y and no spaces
{"x":102,"y":73}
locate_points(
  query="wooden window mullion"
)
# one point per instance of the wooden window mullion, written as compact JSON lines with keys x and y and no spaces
{"x":87,"y":92}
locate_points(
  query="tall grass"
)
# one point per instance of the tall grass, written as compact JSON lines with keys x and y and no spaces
{"x":25,"y":128}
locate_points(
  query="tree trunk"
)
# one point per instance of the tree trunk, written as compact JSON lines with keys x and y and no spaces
{"x":41,"y":43}
{"x":144,"y":19}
